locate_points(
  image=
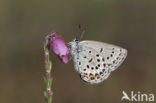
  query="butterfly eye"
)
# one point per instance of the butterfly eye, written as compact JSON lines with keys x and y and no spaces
{"x":76,"y":39}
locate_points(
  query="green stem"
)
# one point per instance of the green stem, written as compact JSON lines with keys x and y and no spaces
{"x":48,"y":79}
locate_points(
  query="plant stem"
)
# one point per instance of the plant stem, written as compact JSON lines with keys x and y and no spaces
{"x":48,"y":79}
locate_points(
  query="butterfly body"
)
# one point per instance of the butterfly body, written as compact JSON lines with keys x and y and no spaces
{"x":94,"y":61}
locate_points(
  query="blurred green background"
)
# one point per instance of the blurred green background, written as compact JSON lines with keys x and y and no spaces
{"x":24,"y":24}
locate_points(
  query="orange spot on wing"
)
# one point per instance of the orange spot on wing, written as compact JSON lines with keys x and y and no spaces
{"x":91,"y":77}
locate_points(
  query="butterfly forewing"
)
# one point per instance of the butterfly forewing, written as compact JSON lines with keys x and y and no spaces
{"x":112,"y":55}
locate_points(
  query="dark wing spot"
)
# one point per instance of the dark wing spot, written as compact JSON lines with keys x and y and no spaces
{"x":84,"y":69}
{"x":107,"y":57}
{"x":97,"y":55}
{"x":89,"y":51}
{"x":103,"y":70}
{"x":101,"y":73}
{"x":108,"y":64}
{"x":90,"y":60}
{"x":79,"y":63}
{"x":112,"y":51}
{"x":98,"y":65}
{"x":98,"y":60}
{"x":92,"y":68}
{"x":87,"y":66}
{"x":101,"y":50}
{"x":111,"y":55}
{"x":104,"y":65}
{"x":113,"y":61}
{"x":103,"y":59}
{"x":84,"y":57}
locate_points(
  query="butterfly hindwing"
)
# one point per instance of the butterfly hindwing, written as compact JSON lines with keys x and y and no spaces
{"x":95,"y":60}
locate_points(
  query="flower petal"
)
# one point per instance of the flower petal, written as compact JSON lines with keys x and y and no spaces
{"x":59,"y":46}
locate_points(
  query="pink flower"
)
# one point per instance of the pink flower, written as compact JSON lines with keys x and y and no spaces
{"x":58,"y":46}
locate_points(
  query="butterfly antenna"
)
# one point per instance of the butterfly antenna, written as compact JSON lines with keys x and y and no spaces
{"x":82,"y":32}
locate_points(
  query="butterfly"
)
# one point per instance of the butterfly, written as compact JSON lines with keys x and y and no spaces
{"x":94,"y":61}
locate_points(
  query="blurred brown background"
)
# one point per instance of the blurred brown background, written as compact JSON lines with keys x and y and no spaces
{"x":24,"y":24}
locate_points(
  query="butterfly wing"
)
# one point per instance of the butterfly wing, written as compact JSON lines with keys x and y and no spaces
{"x":95,"y":60}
